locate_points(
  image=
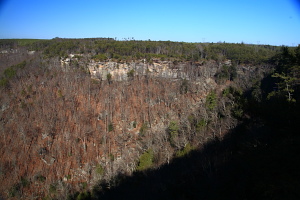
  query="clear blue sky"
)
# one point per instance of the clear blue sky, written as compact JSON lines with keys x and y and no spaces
{"x":274,"y":22}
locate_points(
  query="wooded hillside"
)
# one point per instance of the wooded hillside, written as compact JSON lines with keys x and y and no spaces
{"x":64,"y":132}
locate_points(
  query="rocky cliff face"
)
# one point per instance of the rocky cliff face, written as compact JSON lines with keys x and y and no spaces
{"x":161,"y":69}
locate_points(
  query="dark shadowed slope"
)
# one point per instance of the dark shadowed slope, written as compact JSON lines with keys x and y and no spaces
{"x":252,"y":162}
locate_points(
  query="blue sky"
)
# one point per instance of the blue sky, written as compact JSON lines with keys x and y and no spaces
{"x":274,"y":22}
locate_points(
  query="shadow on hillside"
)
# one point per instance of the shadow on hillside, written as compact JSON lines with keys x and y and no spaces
{"x":252,"y":162}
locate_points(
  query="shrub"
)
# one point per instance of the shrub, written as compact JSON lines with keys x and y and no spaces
{"x":109,"y":77}
{"x":68,"y":177}
{"x":14,"y":190}
{"x":226,"y":73}
{"x":130,"y":74}
{"x":40,"y":178}
{"x":24,"y":182}
{"x":100,"y":57}
{"x":84,"y":196}
{"x":3,"y":82}
{"x":134,"y":124}
{"x":173,"y":132}
{"x":52,"y":188}
{"x":111,"y":157}
{"x":143,"y":129}
{"x":94,"y":81}
{"x":21,"y":65}
{"x":211,"y":101}
{"x":184,"y":87}
{"x":110,"y":127}
{"x":146,"y":160}
{"x":201,"y":124}
{"x":83,"y":185}
{"x":9,"y":72}
{"x":186,"y":150}
{"x":59,"y":94}
{"x":99,"y":169}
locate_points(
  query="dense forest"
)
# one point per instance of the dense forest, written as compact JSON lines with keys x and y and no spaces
{"x":104,"y":49}
{"x":227,"y":131}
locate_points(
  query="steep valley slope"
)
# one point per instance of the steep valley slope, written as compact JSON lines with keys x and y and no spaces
{"x":63,"y":129}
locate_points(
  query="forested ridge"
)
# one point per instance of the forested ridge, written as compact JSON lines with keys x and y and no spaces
{"x":105,"y":49}
{"x":228,"y":131}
